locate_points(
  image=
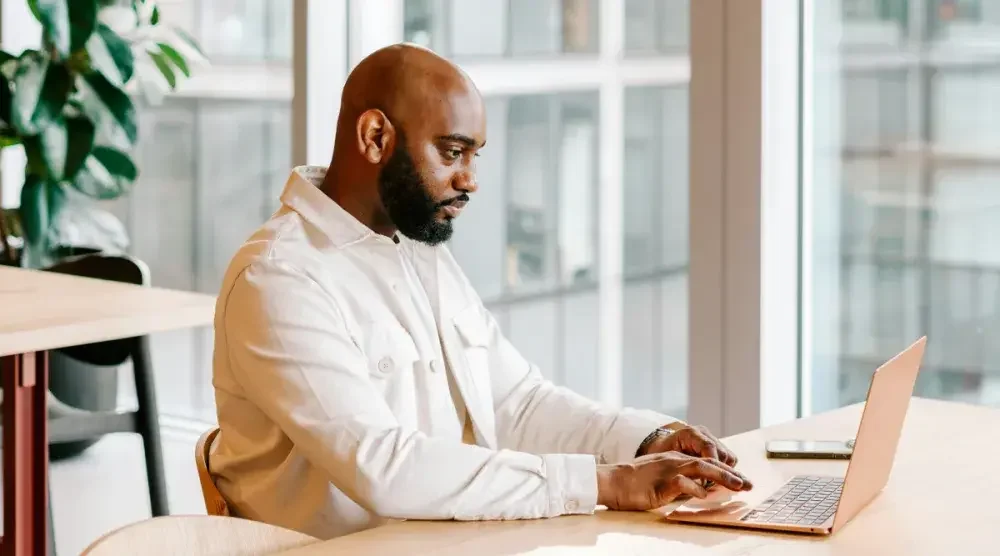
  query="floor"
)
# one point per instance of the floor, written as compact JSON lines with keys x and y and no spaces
{"x":105,"y":487}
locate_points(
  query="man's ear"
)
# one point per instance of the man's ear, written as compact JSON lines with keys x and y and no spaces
{"x":375,"y":135}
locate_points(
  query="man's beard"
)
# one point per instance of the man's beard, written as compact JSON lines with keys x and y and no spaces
{"x":409,"y":206}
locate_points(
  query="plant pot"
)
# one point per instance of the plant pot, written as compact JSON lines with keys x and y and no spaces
{"x":81,"y":385}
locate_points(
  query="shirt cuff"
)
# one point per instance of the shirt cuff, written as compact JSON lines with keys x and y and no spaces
{"x":572,"y":484}
{"x":631,"y":428}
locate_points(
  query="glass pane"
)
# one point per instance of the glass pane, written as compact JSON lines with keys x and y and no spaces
{"x":904,"y":194}
{"x":534,"y":330}
{"x":653,"y":26}
{"x":211,"y":168}
{"x":655,"y":248}
{"x":418,"y":23}
{"x":494,"y":28}
{"x":476,"y":28}
{"x":874,"y":24}
{"x":480,"y":237}
{"x":551,"y":164}
{"x":969,"y":21}
{"x":581,"y":325}
{"x":235,"y":29}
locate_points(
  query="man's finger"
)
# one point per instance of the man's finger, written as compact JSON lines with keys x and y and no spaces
{"x":704,"y":447}
{"x":726,"y":455}
{"x":689,"y":487}
{"x":746,"y":481}
{"x":747,"y":485}
{"x":702,"y":469}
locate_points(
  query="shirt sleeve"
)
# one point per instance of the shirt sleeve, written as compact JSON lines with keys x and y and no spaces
{"x":294,"y":356}
{"x":535,"y":415}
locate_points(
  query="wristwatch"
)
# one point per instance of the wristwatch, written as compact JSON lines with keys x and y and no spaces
{"x":661,"y":431}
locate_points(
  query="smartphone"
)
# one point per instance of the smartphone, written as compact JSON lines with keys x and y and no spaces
{"x":810,"y":449}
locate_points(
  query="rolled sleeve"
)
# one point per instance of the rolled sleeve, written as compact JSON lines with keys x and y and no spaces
{"x":572,"y":483}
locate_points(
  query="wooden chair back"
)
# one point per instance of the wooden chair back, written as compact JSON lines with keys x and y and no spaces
{"x":215,"y":504}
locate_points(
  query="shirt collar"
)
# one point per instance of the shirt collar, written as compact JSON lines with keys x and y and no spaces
{"x":303,"y":195}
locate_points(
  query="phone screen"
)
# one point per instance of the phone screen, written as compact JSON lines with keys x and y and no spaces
{"x":817,"y":447}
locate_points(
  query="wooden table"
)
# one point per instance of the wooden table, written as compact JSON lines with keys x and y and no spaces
{"x":943,"y":498}
{"x":41,"y":311}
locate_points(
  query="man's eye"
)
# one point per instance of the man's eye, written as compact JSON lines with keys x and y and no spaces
{"x":453,"y":154}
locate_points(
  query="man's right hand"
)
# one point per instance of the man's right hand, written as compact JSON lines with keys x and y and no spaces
{"x":655,"y":480}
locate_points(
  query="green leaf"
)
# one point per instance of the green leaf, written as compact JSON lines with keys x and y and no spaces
{"x":190,"y":41}
{"x":36,"y":163}
{"x":9,"y":140}
{"x":155,"y":19}
{"x":80,"y":133}
{"x":67,"y":24}
{"x":117,"y":162}
{"x":102,"y":100}
{"x":176,"y":58}
{"x":59,"y":151}
{"x":5,"y":100}
{"x":164,"y":66}
{"x":41,"y":88}
{"x":41,"y":201}
{"x":108,"y":174}
{"x":111,"y":55}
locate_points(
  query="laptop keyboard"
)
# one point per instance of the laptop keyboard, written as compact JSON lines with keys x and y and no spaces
{"x":804,"y":500}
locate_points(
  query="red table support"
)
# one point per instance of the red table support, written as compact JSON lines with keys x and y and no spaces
{"x":25,"y":454}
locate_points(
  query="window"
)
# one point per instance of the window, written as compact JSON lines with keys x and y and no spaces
{"x":568,"y":282}
{"x":246,"y":30}
{"x":494,"y":28}
{"x":656,"y":26}
{"x":899,"y":217}
{"x":655,"y":249}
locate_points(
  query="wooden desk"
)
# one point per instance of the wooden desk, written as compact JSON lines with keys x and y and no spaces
{"x":41,"y":311}
{"x":944,"y":490}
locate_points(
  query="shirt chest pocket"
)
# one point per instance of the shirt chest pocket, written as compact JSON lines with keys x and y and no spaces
{"x":390,"y":350}
{"x":475,"y":340}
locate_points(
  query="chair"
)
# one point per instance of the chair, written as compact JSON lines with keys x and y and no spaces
{"x":70,"y":424}
{"x":215,"y":503}
{"x":198,"y":535}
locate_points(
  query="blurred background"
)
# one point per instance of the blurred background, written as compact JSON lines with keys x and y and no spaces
{"x":579,"y":239}
{"x":910,"y":196}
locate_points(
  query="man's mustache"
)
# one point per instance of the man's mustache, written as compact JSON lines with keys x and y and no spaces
{"x":463,"y":198}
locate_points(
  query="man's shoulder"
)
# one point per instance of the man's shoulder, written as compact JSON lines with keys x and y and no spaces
{"x":282,"y":244}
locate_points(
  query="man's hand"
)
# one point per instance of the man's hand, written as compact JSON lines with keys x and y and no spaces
{"x":656,"y":480}
{"x":693,"y":441}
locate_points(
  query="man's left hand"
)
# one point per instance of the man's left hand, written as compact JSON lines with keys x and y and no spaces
{"x":694,"y":441}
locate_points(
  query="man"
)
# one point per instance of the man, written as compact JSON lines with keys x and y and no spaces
{"x":360,"y":379}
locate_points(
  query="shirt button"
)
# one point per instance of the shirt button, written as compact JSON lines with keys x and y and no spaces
{"x":385,"y":364}
{"x":436,"y":366}
{"x":572,"y":506}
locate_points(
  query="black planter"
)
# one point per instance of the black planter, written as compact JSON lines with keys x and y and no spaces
{"x":81,"y":385}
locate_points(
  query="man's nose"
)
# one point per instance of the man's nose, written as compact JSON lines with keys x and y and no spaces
{"x":466,"y":182}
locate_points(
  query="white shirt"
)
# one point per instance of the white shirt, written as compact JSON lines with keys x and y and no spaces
{"x":334,"y":350}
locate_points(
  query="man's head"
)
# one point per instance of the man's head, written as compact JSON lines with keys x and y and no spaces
{"x":411,"y":125}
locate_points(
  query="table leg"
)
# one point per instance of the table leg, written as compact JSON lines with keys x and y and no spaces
{"x":25,"y":453}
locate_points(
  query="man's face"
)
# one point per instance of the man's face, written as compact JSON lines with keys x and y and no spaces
{"x":431,"y":173}
{"x":408,"y":201}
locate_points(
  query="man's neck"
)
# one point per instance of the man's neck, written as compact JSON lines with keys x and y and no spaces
{"x":349,"y":198}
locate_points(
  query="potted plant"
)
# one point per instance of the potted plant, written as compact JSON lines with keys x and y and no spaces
{"x":71,"y":105}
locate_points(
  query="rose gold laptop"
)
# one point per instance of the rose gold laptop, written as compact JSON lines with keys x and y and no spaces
{"x":822,"y":504}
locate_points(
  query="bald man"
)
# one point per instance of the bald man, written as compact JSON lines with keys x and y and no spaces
{"x":359,"y":377}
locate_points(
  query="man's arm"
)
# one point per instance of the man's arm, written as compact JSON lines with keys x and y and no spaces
{"x":294,"y":357}
{"x":534,"y":415}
